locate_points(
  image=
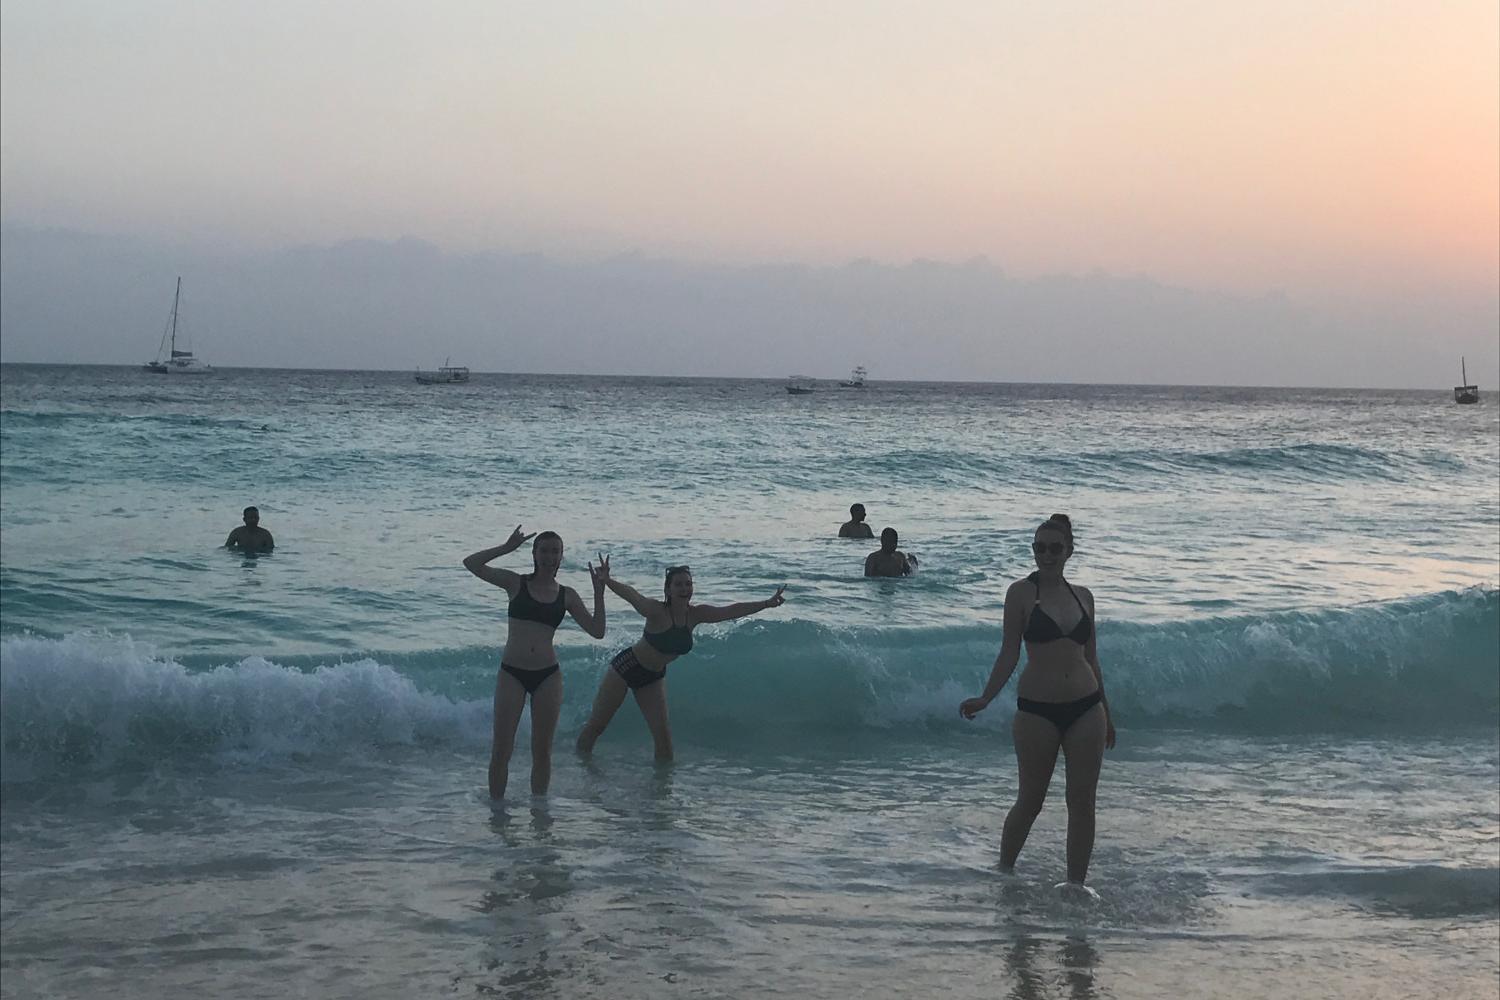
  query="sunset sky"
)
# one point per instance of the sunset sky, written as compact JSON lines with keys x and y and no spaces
{"x":1338,"y":152}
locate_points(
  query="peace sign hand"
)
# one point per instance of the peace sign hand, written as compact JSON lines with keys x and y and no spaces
{"x":600,"y":574}
{"x":776,"y":600}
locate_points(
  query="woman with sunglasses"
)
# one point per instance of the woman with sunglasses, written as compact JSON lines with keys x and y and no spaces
{"x":642,"y":668}
{"x":1061,"y":703}
{"x":528,"y":666}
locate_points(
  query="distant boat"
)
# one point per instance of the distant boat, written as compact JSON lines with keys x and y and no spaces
{"x":169,"y":360}
{"x":1465,"y":393}
{"x":447,"y":374}
{"x":800,"y":385}
{"x":856,"y":378}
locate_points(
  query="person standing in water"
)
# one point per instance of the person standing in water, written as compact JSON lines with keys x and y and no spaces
{"x":1061,"y":703}
{"x":250,"y":538}
{"x":889,"y":560}
{"x":856,"y":527}
{"x":642,"y":668}
{"x":528,"y":666}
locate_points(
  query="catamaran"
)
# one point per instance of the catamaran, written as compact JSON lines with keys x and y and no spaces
{"x":169,"y":360}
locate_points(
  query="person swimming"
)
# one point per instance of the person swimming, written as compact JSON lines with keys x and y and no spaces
{"x":1061,"y":703}
{"x":889,"y":560}
{"x":528,"y":665}
{"x":250,"y":538}
{"x":856,"y":527}
{"x":642,"y":668}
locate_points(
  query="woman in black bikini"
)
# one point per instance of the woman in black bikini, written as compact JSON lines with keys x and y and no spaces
{"x":528,"y":666}
{"x":1061,"y":701}
{"x":642,"y":668}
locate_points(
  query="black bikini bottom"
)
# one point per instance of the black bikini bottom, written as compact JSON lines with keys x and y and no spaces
{"x":632,"y":673}
{"x":530,"y":679}
{"x":1061,"y":714}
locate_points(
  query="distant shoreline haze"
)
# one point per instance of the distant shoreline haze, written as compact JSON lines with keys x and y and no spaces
{"x":77,"y":298}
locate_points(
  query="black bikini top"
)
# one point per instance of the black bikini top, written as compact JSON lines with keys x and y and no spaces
{"x":675,"y":641}
{"x":1041,"y":628}
{"x":528,"y":608}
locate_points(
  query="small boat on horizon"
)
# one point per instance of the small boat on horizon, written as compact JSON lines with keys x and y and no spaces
{"x":169,"y":360}
{"x":800,"y":385}
{"x":856,"y":379}
{"x":447,"y":374}
{"x":1465,"y":393}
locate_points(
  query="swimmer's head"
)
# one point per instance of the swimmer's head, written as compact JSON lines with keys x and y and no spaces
{"x":857,"y":512}
{"x":546,"y":552}
{"x":888,"y":540}
{"x":1053,"y":542}
{"x":252,"y":516}
{"x":679,"y":583}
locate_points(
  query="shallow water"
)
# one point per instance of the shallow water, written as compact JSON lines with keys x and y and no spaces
{"x":238,"y":778}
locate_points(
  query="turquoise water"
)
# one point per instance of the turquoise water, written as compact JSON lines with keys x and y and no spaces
{"x":214,"y":766}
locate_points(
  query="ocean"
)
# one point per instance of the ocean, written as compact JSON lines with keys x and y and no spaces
{"x":238,"y":777}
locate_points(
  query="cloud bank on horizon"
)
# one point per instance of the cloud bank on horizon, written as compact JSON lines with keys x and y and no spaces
{"x":78,"y":298}
{"x":659,"y":188}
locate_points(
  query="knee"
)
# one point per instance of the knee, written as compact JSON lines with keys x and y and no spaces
{"x":1081,"y":801}
{"x":1029,"y":807}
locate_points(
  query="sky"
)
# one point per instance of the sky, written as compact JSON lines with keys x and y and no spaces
{"x":1321,"y":178}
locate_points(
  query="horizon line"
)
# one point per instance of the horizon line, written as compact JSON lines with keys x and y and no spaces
{"x":766,"y":378}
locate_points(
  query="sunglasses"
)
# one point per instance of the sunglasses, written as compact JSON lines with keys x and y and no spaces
{"x":1055,"y":548}
{"x":674,"y":570}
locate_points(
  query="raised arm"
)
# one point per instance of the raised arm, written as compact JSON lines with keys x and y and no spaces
{"x":707,"y":614}
{"x":1091,"y":654}
{"x":593,"y":624}
{"x":642,"y":604}
{"x":503,"y":578}
{"x":1009,"y":655}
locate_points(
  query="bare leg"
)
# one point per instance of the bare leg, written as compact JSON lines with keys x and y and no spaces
{"x":607,"y":702}
{"x":546,"y":705}
{"x":510,"y":701}
{"x":1036,"y":742}
{"x":1083,"y":746}
{"x":652,"y":700}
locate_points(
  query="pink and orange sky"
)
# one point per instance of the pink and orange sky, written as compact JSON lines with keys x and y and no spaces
{"x":1335,"y":151}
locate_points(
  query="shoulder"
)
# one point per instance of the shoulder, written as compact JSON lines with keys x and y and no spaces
{"x":238,"y":532}
{"x":1022,"y":588}
{"x":1085,"y":593}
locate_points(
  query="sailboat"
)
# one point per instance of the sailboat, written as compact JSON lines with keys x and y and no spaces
{"x":173,"y":361}
{"x":856,"y":379}
{"x":1465,"y":393}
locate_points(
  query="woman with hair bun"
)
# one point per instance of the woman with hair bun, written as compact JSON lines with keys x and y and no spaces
{"x":1061,"y":703}
{"x":528,"y":666}
{"x":642,"y":668}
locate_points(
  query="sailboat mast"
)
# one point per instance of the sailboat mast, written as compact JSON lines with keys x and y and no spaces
{"x":175,"y":296}
{"x":1463,"y":368}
